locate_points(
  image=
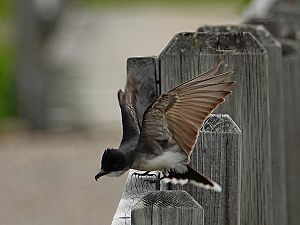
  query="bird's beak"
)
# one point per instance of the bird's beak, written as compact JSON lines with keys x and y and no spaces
{"x":100,"y":174}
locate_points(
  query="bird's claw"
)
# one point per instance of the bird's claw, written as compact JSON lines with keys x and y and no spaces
{"x":147,"y":173}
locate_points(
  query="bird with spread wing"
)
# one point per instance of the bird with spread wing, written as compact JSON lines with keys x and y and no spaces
{"x":169,"y":130}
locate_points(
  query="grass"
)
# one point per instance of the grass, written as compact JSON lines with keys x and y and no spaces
{"x":7,"y":82}
{"x":6,"y":9}
{"x":8,"y":106}
{"x":111,"y":3}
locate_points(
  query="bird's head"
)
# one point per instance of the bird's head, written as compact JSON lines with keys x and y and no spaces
{"x":113,"y":163}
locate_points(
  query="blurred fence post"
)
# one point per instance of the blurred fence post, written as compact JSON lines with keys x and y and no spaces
{"x":276,"y":80}
{"x":285,"y":16}
{"x":34,"y":27}
{"x":291,"y":97}
{"x":189,"y":54}
{"x":167,"y":208}
{"x":29,"y":75}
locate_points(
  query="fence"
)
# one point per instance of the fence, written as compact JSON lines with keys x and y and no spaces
{"x":251,"y":147}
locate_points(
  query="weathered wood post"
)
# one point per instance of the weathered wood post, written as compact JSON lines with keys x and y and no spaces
{"x":291,"y":97}
{"x":217,"y":155}
{"x":135,"y":188}
{"x":276,"y":80}
{"x":167,"y":208}
{"x":189,"y":54}
{"x":143,"y":70}
{"x":284,"y":16}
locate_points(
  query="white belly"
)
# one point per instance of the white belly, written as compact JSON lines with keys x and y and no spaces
{"x":168,"y":160}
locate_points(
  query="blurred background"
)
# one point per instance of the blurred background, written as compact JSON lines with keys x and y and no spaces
{"x":61,"y":65}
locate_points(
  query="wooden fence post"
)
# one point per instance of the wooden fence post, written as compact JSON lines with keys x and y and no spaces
{"x":143,"y":69}
{"x":217,"y":155}
{"x":276,"y":80}
{"x":285,"y":17}
{"x":189,"y":54}
{"x":135,"y":188}
{"x":291,"y":97}
{"x":167,"y":208}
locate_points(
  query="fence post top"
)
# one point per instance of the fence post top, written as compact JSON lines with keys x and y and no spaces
{"x":167,"y":199}
{"x":212,"y":43}
{"x":221,"y":123}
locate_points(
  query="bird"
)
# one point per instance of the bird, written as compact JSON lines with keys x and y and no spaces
{"x":166,"y":136}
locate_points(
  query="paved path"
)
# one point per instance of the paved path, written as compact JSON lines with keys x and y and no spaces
{"x":47,"y":178}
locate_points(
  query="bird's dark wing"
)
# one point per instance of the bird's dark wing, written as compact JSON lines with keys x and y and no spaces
{"x":127,"y":102}
{"x":181,"y":112}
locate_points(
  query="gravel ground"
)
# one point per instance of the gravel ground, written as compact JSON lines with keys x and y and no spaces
{"x":48,"y":177}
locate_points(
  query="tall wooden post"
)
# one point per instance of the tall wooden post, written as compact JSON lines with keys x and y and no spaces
{"x":189,"y":54}
{"x":291,"y":97}
{"x":276,"y":80}
{"x":143,"y":70}
{"x":285,"y":16}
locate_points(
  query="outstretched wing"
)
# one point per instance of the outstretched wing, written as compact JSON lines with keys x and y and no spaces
{"x":127,"y":102}
{"x":181,"y":112}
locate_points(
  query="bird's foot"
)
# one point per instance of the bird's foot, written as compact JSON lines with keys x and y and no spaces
{"x":156,"y":181}
{"x":147,"y":173}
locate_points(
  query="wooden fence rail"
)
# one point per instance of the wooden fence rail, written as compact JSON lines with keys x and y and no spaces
{"x":254,"y":155}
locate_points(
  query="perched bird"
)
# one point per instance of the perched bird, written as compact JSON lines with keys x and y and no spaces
{"x":169,"y":130}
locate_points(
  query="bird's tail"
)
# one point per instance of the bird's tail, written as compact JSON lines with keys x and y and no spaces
{"x":193,"y":177}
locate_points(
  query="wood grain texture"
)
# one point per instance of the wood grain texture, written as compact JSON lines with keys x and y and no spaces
{"x":287,"y":30}
{"x":291,"y":95}
{"x":189,"y":54}
{"x":167,"y":208}
{"x":217,"y":155}
{"x":276,"y":80}
{"x":143,"y":69}
{"x":135,"y":188}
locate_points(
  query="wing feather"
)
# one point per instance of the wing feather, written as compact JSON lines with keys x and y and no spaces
{"x":127,"y":102}
{"x":131,"y":92}
{"x":184,"y":109}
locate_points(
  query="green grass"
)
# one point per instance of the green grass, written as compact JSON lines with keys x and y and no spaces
{"x":7,"y":82}
{"x":7,"y":9}
{"x":8,"y":106}
{"x":111,"y":3}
